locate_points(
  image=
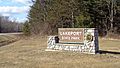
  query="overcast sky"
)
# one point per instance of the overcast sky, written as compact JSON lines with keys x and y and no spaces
{"x":15,"y":9}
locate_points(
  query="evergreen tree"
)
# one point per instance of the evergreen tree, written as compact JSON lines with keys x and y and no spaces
{"x":26,"y":28}
{"x":36,"y":17}
{"x":46,"y":16}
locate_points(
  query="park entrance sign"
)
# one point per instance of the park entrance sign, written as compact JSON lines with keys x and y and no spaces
{"x":83,"y":40}
{"x":71,"y":35}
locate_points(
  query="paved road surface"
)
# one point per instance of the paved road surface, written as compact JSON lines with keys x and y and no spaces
{"x":10,"y":33}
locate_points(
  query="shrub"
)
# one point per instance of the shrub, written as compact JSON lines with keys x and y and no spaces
{"x":26,"y":28}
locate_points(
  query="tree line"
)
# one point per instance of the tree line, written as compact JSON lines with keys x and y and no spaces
{"x":45,"y":16}
{"x":7,"y":26}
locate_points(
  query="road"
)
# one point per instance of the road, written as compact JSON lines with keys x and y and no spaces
{"x":10,"y":33}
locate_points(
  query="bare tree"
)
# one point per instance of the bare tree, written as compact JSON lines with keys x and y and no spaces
{"x":9,"y":26}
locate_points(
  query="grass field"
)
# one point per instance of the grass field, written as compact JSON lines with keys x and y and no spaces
{"x":30,"y":53}
{"x":6,"y":39}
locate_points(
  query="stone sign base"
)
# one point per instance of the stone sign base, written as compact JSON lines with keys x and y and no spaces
{"x":88,"y":46}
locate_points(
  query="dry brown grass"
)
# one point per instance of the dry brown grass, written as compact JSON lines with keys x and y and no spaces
{"x":30,"y":53}
{"x":7,"y":39}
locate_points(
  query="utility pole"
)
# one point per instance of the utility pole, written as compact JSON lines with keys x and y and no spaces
{"x":73,"y":15}
{"x":72,"y":20}
{"x":0,"y":24}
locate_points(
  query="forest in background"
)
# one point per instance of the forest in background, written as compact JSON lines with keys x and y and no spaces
{"x":46,"y":16}
{"x":7,"y":26}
